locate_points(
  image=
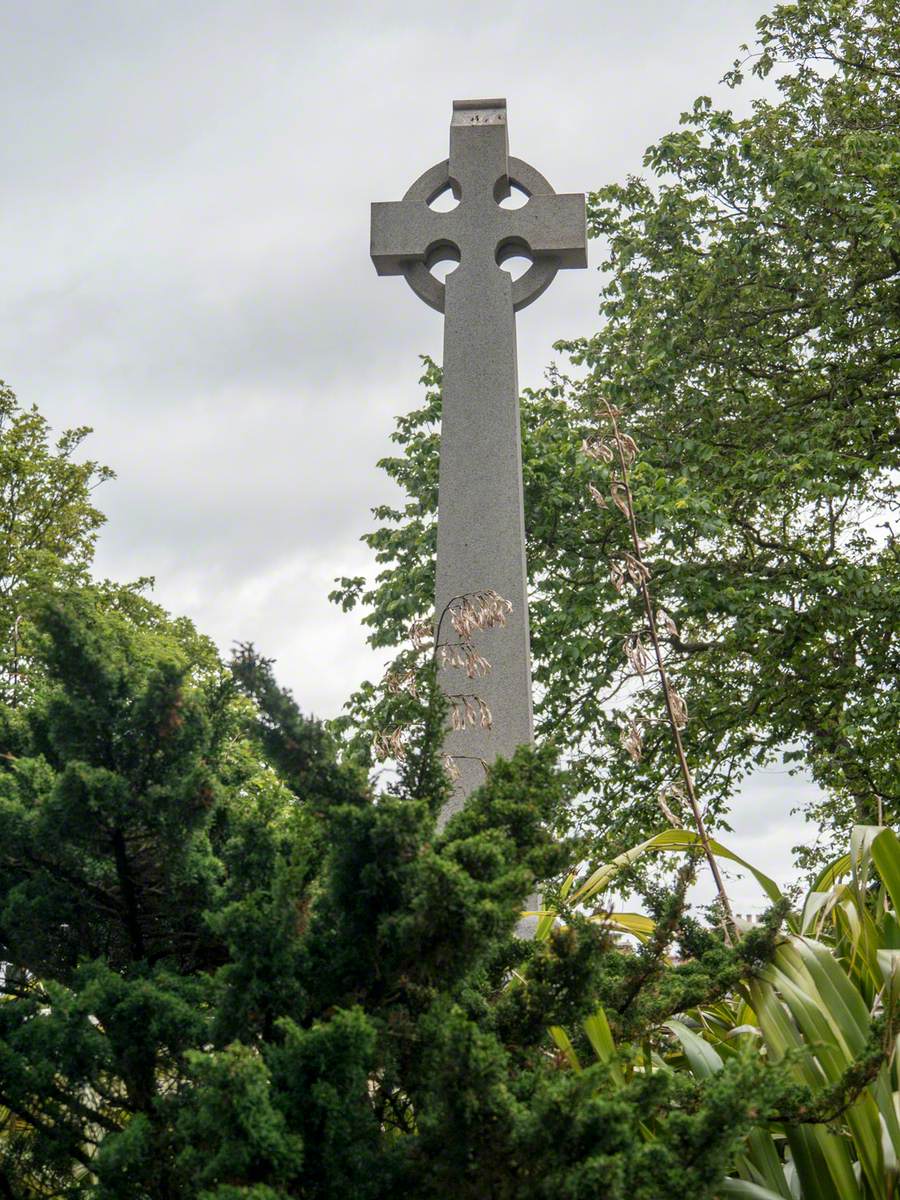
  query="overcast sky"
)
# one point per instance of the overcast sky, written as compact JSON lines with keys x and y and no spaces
{"x":184,"y":219}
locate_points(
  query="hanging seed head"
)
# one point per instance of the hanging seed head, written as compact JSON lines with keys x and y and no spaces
{"x":617,"y":578}
{"x":420,"y":634}
{"x":450,"y":767}
{"x":478,"y":610}
{"x":596,"y":448}
{"x":678,"y":709}
{"x":464,"y":656}
{"x":636,"y":654}
{"x":389,"y":745}
{"x":620,"y":497}
{"x":476,"y":664}
{"x":402,"y":681}
{"x":632,"y":739}
{"x":663,"y":619}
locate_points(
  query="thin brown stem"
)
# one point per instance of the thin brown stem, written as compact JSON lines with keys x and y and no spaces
{"x":730,"y":928}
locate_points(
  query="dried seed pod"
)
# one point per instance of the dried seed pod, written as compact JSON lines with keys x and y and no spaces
{"x":450,"y":767}
{"x":627,"y":447}
{"x":678,"y":709}
{"x":667,"y":812}
{"x":421,"y":634}
{"x":597,"y":496}
{"x":633,"y":741}
{"x":638,"y":572}
{"x":663,"y":619}
{"x":485,"y":713}
{"x":617,"y":578}
{"x":674,"y":792}
{"x":620,"y":497}
{"x":636,"y":654}
{"x":597,"y":448}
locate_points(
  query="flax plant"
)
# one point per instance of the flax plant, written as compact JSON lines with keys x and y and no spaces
{"x":824,"y":1010}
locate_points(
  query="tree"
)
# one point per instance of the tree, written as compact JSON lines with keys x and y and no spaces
{"x":223,"y":987}
{"x":751,"y":339}
{"x":298,"y":747}
{"x":49,"y":524}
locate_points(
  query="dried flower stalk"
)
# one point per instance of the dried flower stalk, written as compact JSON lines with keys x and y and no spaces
{"x":632,"y":739}
{"x":477,"y":610}
{"x":467,"y":711}
{"x":390,"y":745}
{"x":485,"y":609}
{"x":638,"y":572}
{"x":421,"y":634}
{"x":465,"y":656}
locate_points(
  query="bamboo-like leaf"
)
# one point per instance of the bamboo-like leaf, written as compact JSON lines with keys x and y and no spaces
{"x":546,"y":917}
{"x":822,"y":1160}
{"x":763,"y":1166}
{"x":830,"y":874}
{"x":886,"y":855}
{"x":637,"y":924}
{"x":561,"y":1038}
{"x":668,"y":840}
{"x":599,"y":1034}
{"x":703,"y":1059}
{"x":743,"y":1189}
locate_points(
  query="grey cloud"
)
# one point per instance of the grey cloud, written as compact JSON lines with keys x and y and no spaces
{"x":184,"y":198}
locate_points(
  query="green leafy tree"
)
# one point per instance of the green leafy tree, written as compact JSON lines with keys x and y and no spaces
{"x":750,"y":338}
{"x":49,"y":524}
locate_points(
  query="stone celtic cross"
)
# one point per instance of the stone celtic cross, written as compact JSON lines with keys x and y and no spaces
{"x":481,"y":530}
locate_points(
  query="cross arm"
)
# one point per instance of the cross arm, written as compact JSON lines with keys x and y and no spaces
{"x":554,"y":225}
{"x":403,"y":231}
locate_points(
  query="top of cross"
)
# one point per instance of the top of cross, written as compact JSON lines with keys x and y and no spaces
{"x":409,"y":237}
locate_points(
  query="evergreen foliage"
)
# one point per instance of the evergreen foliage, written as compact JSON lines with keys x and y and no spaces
{"x":223,"y":986}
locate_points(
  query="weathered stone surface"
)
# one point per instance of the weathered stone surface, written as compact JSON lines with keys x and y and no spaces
{"x":481,"y":534}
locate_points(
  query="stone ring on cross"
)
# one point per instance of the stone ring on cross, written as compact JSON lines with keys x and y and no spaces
{"x":434,"y":183}
{"x":409,"y":237}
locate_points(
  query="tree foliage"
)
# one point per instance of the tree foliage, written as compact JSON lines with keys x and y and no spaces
{"x":750,"y":338}
{"x":223,"y":983}
{"x":49,"y":524}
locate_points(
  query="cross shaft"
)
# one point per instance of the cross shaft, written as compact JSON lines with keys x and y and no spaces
{"x":481,"y":532}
